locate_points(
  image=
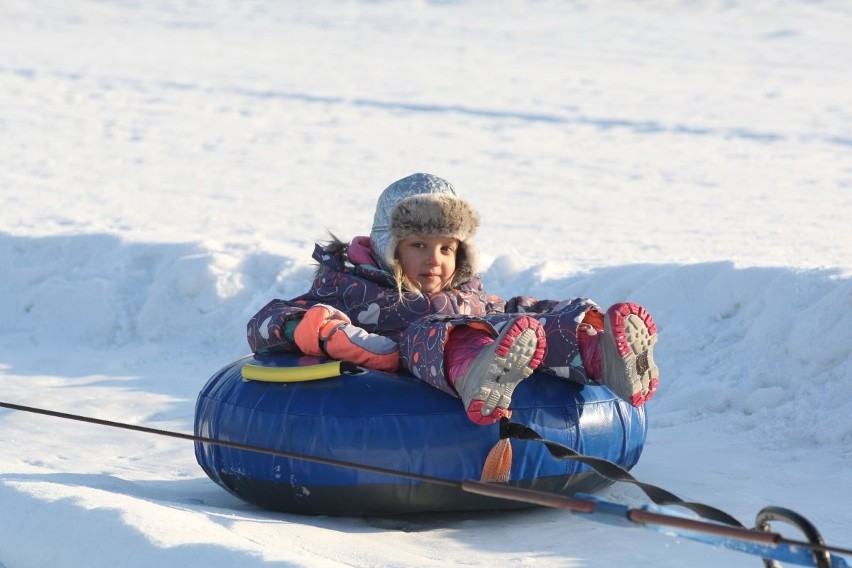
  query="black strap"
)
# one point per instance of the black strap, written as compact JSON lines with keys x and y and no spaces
{"x":324,"y":340}
{"x":614,"y":472}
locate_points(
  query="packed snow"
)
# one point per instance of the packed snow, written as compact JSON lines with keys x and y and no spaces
{"x":166,"y":166}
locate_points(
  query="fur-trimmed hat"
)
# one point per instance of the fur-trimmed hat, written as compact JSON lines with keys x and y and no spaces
{"x":423,"y":204}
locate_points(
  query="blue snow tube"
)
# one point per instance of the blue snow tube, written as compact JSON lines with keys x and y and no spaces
{"x":395,"y":421}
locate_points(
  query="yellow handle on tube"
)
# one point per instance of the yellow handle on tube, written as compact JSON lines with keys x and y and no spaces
{"x":297,"y":374}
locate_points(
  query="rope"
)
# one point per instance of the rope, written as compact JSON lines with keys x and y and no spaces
{"x":235,"y":445}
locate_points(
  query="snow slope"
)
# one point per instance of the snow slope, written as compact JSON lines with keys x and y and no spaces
{"x":165,"y":168}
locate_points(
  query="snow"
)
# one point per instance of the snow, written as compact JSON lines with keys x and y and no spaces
{"x":167,"y":166}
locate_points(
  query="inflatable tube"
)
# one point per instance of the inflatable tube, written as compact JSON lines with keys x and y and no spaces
{"x":395,"y":421}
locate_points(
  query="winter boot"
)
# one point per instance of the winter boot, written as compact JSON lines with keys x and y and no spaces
{"x":621,"y":355}
{"x":589,"y":334}
{"x":485,"y":371}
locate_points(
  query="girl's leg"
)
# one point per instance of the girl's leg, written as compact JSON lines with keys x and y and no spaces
{"x":478,"y":360}
{"x":560,"y":323}
{"x":588,"y":339}
{"x":613,"y":348}
{"x":485,"y":370}
{"x":463,"y":345}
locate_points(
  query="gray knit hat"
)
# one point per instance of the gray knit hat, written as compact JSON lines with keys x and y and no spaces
{"x":425,"y":204}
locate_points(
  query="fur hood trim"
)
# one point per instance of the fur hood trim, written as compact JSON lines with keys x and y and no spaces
{"x":424,"y":185}
{"x":437,"y":214}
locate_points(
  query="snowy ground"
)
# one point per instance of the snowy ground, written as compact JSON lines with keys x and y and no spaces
{"x":165,"y":167}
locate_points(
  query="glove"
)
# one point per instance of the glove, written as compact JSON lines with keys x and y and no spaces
{"x":326,"y":331}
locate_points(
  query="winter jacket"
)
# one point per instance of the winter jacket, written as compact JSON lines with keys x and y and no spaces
{"x":365,"y":293}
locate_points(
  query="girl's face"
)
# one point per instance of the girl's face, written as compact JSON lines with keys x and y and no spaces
{"x":428,"y":261}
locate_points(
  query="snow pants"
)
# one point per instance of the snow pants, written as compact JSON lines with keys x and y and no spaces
{"x":422,"y":345}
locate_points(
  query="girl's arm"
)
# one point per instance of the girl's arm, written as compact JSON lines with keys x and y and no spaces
{"x":325,"y":331}
{"x":271,"y":329}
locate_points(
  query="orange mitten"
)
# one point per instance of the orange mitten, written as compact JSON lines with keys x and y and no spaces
{"x":326,"y":331}
{"x":308,"y":333}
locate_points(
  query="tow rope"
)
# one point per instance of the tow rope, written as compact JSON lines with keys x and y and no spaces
{"x":723,"y":530}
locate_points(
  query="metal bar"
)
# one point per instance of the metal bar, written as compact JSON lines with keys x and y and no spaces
{"x":530,"y":496}
{"x":648,"y":517}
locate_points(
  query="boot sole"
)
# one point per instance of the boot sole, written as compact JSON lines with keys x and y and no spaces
{"x":516,"y":353}
{"x":627,"y":353}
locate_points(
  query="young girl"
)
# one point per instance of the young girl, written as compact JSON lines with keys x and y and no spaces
{"x":409,"y":295}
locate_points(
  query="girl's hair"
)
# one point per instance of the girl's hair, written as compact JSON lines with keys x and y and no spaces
{"x":403,"y":283}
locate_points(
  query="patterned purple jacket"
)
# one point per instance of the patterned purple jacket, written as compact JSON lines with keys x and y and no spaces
{"x":419,"y":323}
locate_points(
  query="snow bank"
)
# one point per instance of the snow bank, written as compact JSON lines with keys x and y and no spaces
{"x":766,"y":347}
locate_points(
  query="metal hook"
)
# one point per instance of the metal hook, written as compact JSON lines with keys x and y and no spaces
{"x":822,"y":559}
